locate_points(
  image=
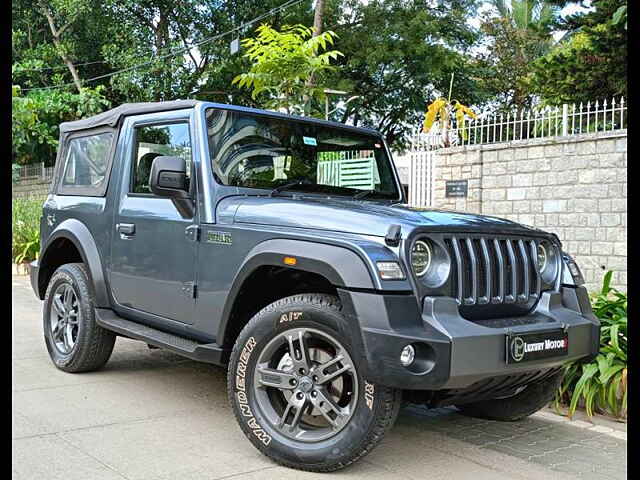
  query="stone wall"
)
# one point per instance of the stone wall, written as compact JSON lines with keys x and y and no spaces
{"x":30,"y":187}
{"x":574,"y":186}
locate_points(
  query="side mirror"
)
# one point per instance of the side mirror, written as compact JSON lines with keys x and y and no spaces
{"x":168,"y":178}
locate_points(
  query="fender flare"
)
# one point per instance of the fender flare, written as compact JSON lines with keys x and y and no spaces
{"x":78,"y":234}
{"x":341,"y":266}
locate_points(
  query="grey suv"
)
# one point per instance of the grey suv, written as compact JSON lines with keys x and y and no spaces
{"x":283,"y":248}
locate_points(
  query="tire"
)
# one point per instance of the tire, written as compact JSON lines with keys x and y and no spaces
{"x":322,"y":440}
{"x":510,"y":409}
{"x":76,"y":343}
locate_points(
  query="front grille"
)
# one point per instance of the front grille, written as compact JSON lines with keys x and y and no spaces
{"x":488,"y":270}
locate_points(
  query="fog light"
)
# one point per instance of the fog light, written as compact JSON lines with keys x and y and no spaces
{"x":407,"y":355}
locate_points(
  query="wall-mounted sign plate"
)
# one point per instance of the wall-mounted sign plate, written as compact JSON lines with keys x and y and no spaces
{"x":456,"y":188}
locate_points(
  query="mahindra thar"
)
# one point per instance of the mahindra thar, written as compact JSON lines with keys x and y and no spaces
{"x":282,"y":248}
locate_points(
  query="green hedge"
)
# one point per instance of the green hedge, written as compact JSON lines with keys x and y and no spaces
{"x":601,"y":386}
{"x":25,"y":215}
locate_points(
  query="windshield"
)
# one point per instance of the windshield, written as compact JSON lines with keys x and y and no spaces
{"x":261,"y":152}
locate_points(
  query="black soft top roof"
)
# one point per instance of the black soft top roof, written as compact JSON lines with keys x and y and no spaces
{"x":112,"y":117}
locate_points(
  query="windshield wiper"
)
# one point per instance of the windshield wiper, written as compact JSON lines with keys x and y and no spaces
{"x":286,"y":186}
{"x":363,"y":194}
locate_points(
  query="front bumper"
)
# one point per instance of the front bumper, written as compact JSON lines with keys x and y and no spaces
{"x":455,"y":352}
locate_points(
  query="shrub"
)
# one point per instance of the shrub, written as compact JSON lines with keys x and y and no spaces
{"x":25,"y":214}
{"x":15,"y":173}
{"x":601,"y":386}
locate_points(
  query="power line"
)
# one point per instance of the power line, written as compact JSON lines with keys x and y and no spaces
{"x":60,"y":67}
{"x":273,"y":11}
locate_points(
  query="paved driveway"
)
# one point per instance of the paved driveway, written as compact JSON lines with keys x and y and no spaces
{"x":150,"y":414}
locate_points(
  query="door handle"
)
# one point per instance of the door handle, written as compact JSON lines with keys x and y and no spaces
{"x":126,"y":229}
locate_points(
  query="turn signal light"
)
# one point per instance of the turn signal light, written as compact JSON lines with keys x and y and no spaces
{"x":290,"y":260}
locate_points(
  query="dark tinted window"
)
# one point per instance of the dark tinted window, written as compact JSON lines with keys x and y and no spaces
{"x":261,"y":152}
{"x":155,"y":140}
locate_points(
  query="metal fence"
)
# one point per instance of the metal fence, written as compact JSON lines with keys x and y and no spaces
{"x":35,"y":171}
{"x":422,"y":178}
{"x":568,"y":119}
{"x":565,"y":120}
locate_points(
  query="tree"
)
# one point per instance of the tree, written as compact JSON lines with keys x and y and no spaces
{"x":519,"y":35}
{"x":591,"y":64}
{"x":60,"y":16}
{"x":398,"y":54}
{"x":37,"y":115}
{"x":101,"y":37}
{"x":282,"y":64}
{"x":55,"y":42}
{"x":537,"y":15}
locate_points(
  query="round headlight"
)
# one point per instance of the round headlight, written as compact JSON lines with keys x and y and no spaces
{"x":543,"y":257}
{"x":421,"y":254}
{"x":547,"y":262}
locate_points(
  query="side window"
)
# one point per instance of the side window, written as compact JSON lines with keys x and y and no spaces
{"x":153,"y":141}
{"x":86,"y":165}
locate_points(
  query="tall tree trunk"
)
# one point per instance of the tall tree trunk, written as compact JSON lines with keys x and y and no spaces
{"x":317,"y":18}
{"x":317,"y":30}
{"x":57,"y":36}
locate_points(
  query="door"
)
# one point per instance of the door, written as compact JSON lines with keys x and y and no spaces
{"x":153,"y":258}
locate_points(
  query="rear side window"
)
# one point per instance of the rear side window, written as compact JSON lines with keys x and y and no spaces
{"x":86,"y":165}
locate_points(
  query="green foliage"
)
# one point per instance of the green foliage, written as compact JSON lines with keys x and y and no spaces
{"x":37,"y":115}
{"x":25,"y":215}
{"x":528,"y":14}
{"x":283,"y":62}
{"x":601,"y":386}
{"x":15,"y":172}
{"x":397,"y":54}
{"x":590,"y":64}
{"x":619,"y":15}
{"x":516,"y":38}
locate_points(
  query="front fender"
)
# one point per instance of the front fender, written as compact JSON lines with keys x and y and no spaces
{"x":339,"y":265}
{"x":78,"y":234}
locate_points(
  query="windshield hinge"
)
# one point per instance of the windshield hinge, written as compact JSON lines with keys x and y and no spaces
{"x":192,"y":232}
{"x":189,"y":289}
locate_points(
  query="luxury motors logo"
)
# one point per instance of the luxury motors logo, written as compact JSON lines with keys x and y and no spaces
{"x":519,"y":347}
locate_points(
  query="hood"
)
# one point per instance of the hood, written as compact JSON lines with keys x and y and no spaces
{"x":358,"y":217}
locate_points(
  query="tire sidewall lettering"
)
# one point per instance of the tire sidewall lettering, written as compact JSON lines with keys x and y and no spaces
{"x":369,"y":394}
{"x":241,"y":393}
{"x":248,"y":411}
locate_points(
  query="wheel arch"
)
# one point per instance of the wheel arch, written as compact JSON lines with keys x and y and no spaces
{"x":329,"y":267}
{"x":71,"y":241}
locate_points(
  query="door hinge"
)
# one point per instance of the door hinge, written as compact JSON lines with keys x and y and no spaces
{"x":192,"y":232}
{"x":190,"y":289}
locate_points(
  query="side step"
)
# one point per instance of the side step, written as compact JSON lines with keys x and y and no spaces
{"x":201,"y":352}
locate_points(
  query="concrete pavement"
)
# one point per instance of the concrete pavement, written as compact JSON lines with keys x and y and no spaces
{"x":152,"y":415}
